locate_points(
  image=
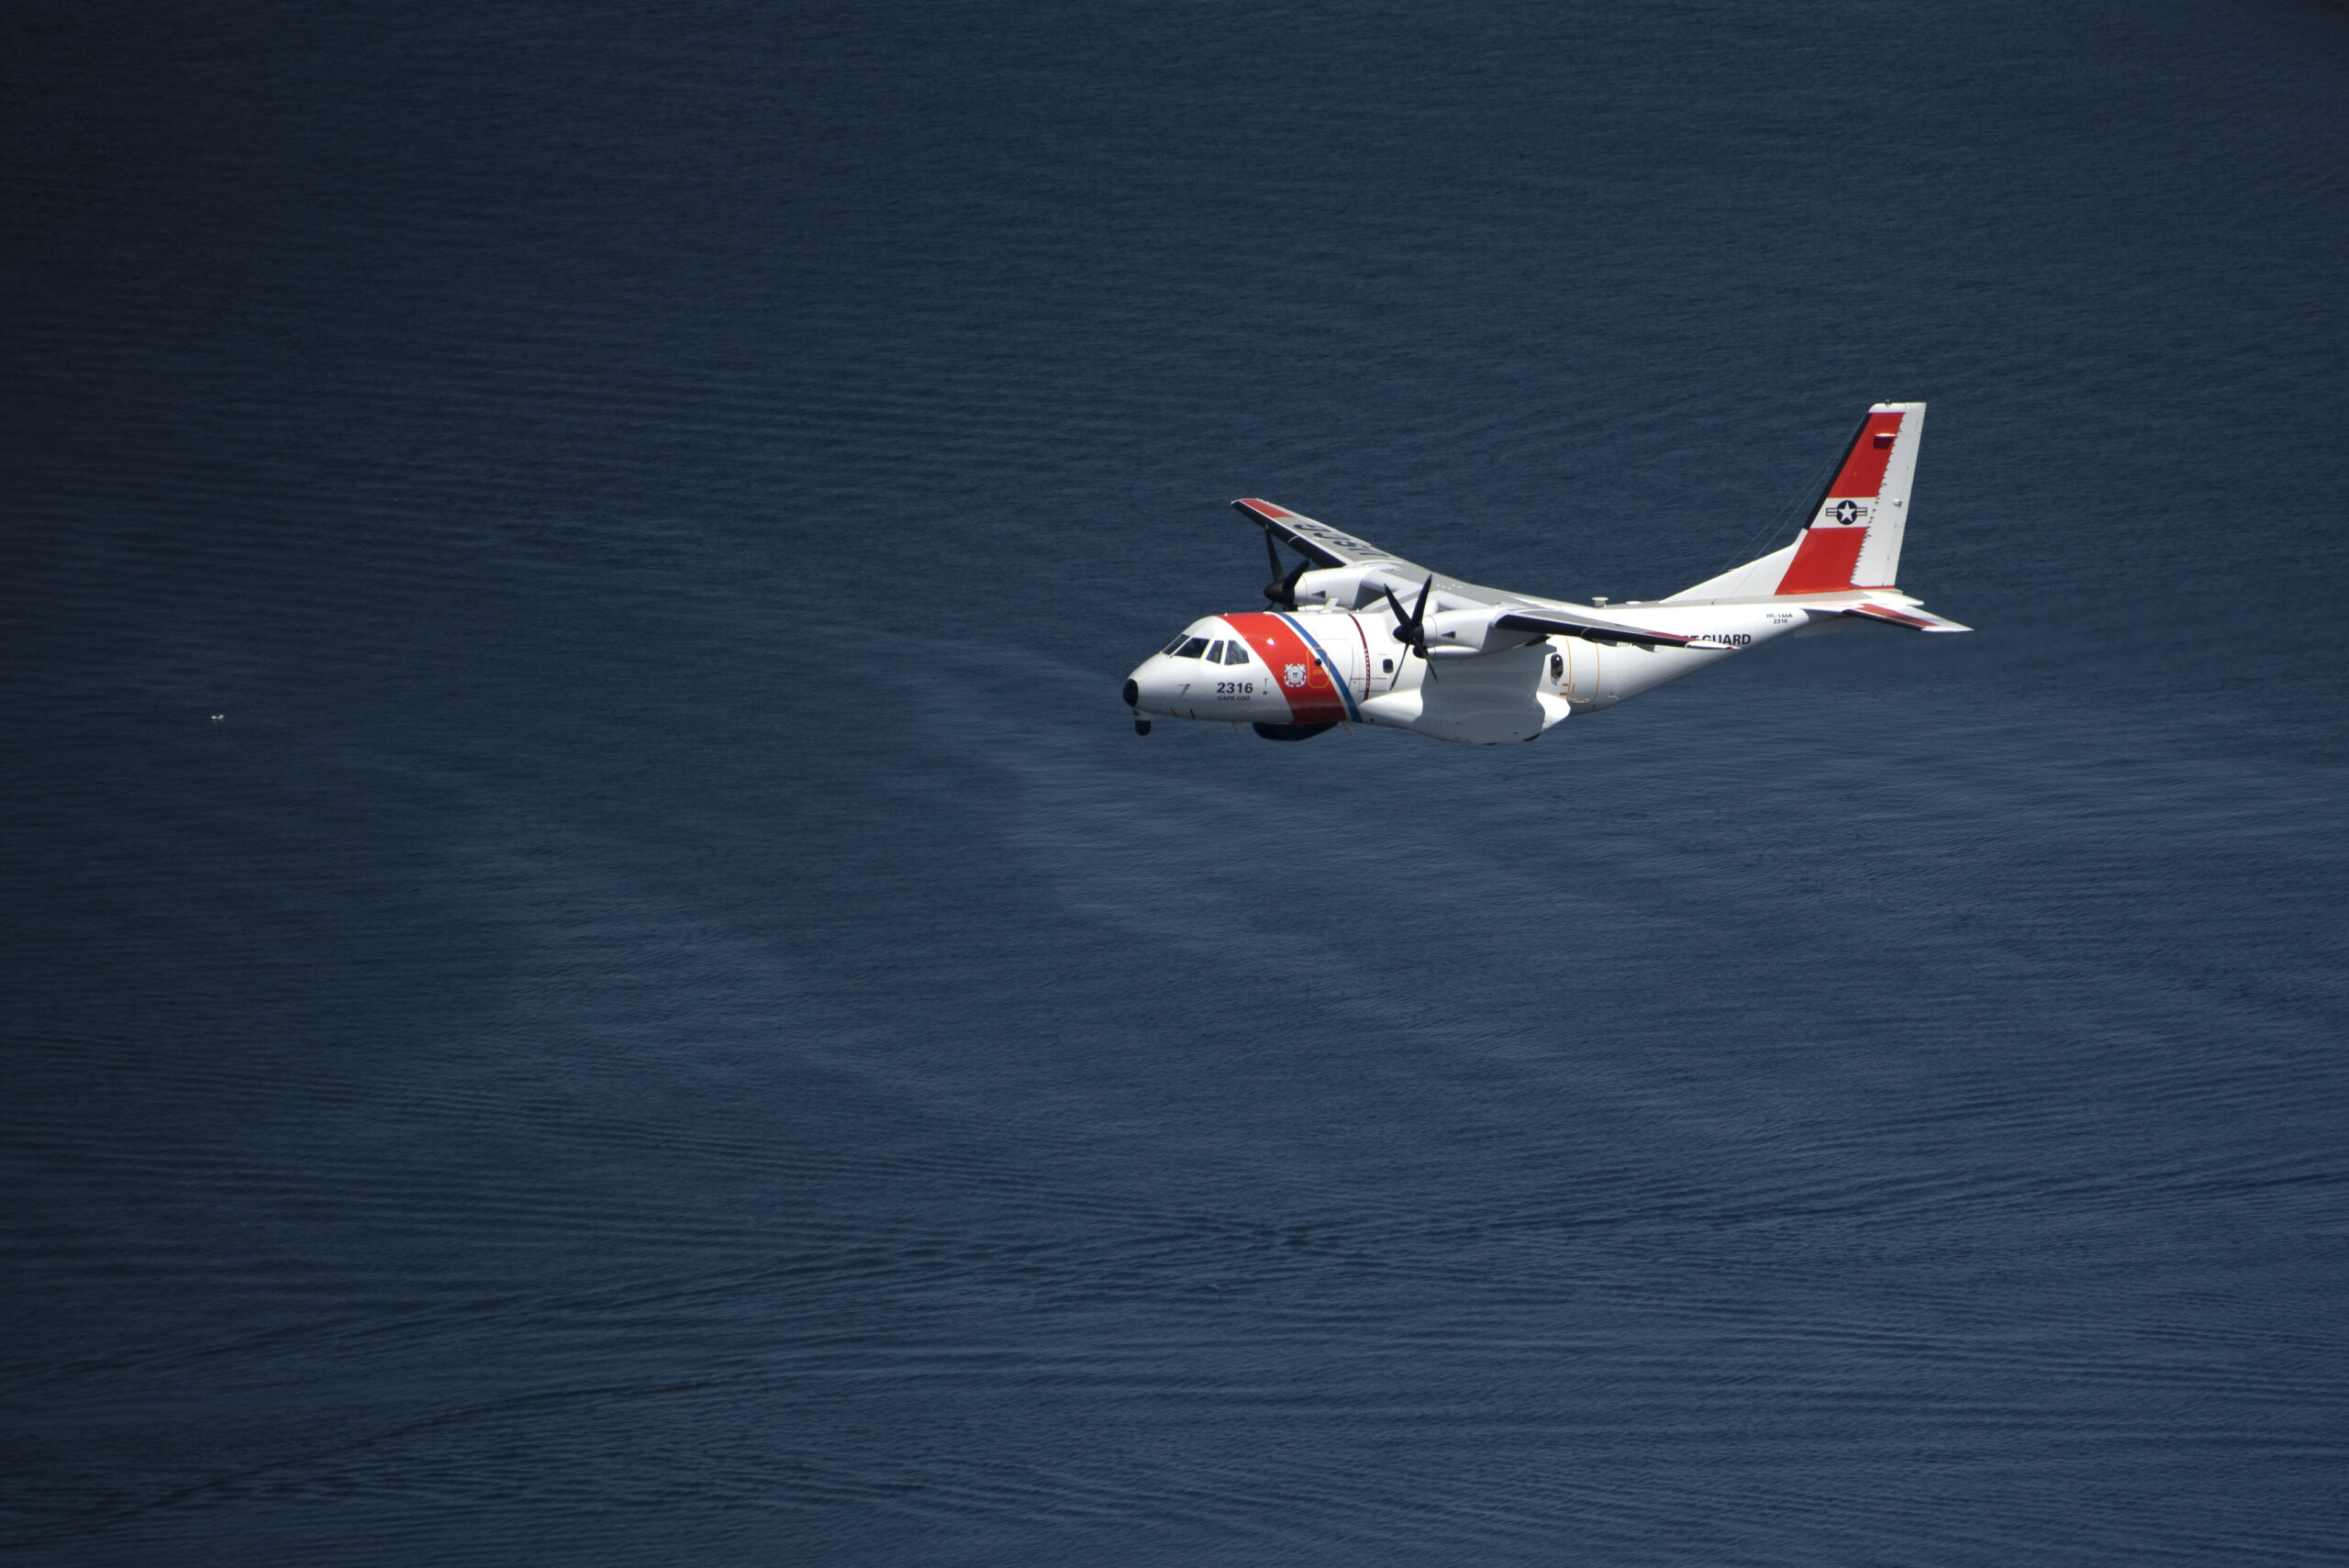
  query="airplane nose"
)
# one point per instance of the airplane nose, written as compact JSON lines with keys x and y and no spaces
{"x":1148,"y":689}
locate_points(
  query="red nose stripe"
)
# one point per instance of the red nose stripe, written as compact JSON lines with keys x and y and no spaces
{"x":1312,"y":695}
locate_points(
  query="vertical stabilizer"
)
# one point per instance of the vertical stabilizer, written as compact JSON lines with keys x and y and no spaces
{"x":1854,"y":540}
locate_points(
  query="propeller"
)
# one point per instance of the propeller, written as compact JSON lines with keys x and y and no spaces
{"x":1282,"y":589}
{"x":1412,"y":629}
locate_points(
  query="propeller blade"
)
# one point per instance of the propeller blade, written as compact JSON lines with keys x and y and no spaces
{"x":1411,"y":630}
{"x":1408,"y":628}
{"x":1281,"y":590}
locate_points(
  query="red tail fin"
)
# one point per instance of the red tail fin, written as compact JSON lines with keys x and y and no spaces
{"x":1854,"y":540}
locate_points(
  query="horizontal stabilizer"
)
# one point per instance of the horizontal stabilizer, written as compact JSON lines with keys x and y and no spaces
{"x":1915,"y":619}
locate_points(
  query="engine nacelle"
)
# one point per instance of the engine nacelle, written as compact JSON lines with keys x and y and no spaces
{"x":1339,"y":586}
{"x":1464,"y":634}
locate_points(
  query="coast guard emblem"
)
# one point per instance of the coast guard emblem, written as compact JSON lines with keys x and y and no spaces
{"x":1294,"y":675}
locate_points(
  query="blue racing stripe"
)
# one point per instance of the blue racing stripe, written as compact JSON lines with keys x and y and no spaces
{"x":1330,"y":664}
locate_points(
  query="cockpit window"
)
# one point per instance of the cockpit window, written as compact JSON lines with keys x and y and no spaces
{"x":1235,"y":654}
{"x":1215,"y":652}
{"x":1180,"y":638}
{"x":1192,"y":648}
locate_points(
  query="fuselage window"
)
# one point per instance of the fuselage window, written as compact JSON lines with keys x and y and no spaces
{"x":1192,"y":648}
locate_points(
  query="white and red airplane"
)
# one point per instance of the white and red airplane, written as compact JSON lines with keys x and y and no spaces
{"x":1337,"y":645}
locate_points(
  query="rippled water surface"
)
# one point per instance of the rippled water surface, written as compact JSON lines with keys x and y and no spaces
{"x":594,"y":973}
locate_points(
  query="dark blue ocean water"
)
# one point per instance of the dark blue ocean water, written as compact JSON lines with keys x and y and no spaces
{"x":672,"y":1020}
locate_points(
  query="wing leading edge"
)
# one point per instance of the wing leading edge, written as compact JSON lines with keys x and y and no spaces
{"x":1317,"y":541}
{"x":1598,"y":632}
{"x":1331,"y":548}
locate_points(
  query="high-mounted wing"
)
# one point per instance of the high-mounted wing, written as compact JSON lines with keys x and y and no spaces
{"x":1327,"y":547}
{"x":1600,"y":631}
{"x":1317,"y":542}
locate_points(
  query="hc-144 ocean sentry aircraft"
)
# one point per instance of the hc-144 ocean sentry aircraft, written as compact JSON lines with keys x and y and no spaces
{"x":1353,"y":635}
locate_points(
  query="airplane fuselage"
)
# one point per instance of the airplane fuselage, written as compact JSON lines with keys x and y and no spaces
{"x":1303,"y":669}
{"x":1337,"y":645}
